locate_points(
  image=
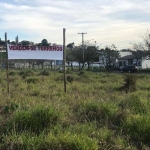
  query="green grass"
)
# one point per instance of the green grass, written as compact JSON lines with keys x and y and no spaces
{"x":94,"y":114}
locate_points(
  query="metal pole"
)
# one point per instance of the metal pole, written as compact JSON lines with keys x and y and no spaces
{"x":64,"y":58}
{"x":8,"y":90}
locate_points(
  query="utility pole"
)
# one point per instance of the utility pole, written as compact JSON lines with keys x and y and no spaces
{"x":8,"y":91}
{"x":83,"y":45}
{"x":64,"y":57}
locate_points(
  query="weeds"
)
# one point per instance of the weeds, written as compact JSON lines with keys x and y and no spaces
{"x":34,"y":121}
{"x":92,"y":115}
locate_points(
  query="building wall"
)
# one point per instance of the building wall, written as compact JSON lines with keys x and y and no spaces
{"x":124,"y":53}
{"x":145,"y":63}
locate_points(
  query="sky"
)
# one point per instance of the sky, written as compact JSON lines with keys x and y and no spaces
{"x":106,"y":22}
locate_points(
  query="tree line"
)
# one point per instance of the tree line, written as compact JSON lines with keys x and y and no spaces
{"x":87,"y":54}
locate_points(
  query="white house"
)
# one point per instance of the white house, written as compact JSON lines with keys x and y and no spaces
{"x":122,"y":53}
{"x":141,"y":62}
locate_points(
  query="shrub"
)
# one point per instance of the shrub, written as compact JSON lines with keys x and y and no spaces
{"x":32,"y":80}
{"x":44,"y":73}
{"x":130,"y":83}
{"x":10,"y":108}
{"x":60,"y":78}
{"x":21,"y":73}
{"x":81,"y":72}
{"x":69,"y":79}
{"x":68,"y":72}
{"x":26,"y":73}
{"x":12,"y":73}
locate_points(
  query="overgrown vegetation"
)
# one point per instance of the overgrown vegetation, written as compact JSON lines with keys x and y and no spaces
{"x":92,"y":115}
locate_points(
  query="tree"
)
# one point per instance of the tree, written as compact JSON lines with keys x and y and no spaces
{"x":145,"y":45}
{"x":78,"y":55}
{"x":141,"y":49}
{"x":69,"y":55}
{"x":44,"y":42}
{"x":25,"y":43}
{"x":91,"y":54}
{"x":138,"y":52}
{"x":13,"y":43}
{"x":146,"y":39}
{"x":109,"y":55}
{"x":70,"y":45}
{"x":51,"y":63}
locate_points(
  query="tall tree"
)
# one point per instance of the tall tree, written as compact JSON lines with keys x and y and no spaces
{"x":145,"y":45}
{"x":13,"y":43}
{"x":91,"y":55}
{"x":69,"y":55}
{"x":142,"y":49}
{"x":109,"y":55}
{"x":44,"y":42}
{"x":78,"y":55}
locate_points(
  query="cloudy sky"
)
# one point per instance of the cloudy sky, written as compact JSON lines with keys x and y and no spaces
{"x":118,"y":22}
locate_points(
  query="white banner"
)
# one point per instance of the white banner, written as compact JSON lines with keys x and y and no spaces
{"x":35,"y":52}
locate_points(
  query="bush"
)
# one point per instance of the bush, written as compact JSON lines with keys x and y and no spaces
{"x":130,"y":83}
{"x":12,"y":73}
{"x":69,"y":79}
{"x":32,"y":80}
{"x":81,"y":72}
{"x":44,"y":73}
{"x":26,"y":73}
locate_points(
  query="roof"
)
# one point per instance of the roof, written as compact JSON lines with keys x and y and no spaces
{"x":128,"y":57}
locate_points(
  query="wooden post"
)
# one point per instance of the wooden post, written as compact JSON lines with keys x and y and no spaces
{"x":54,"y":66}
{"x":7,"y":66}
{"x":64,"y":59}
{"x":1,"y":59}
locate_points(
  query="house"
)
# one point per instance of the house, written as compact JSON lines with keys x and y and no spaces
{"x":141,"y":62}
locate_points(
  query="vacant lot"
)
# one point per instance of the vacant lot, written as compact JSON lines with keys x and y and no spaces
{"x":99,"y":111}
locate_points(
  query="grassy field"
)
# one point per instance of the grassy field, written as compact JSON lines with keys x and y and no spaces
{"x":100,"y":111}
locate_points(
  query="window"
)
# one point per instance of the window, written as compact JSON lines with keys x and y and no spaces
{"x":139,"y":63}
{"x":120,"y":63}
{"x":124,"y":63}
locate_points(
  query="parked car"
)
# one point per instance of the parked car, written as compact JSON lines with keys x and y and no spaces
{"x":129,"y":69}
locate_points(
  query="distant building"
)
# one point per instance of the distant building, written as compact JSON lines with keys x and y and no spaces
{"x":141,"y":62}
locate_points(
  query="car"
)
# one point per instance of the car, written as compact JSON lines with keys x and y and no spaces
{"x":129,"y":69}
